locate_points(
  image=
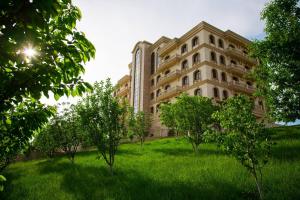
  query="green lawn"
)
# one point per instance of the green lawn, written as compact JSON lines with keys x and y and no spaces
{"x":163,"y":169}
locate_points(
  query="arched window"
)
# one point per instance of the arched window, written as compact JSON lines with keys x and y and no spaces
{"x":216,"y":92}
{"x":247,"y":68}
{"x":231,"y":46}
{"x":213,"y":56}
{"x":197,"y":75}
{"x":261,"y":104}
{"x":152,"y":82}
{"x":225,"y":94}
{"x":222,"y":60}
{"x":152,"y":96}
{"x":185,"y":81}
{"x":167,"y":72}
{"x":195,"y":41}
{"x":196,"y":58}
{"x":198,"y":92}
{"x":167,"y":87}
{"x":214,"y":74}
{"x":233,"y":62}
{"x":249,"y":84}
{"x":157,"y":92}
{"x":157,"y":78}
{"x":157,"y":108}
{"x":184,"y":48}
{"x":224,"y":77}
{"x":184,"y":64}
{"x":167,"y":57}
{"x":152,"y":110}
{"x":211,"y":39}
{"x":234,"y":78}
{"x":221,"y":43}
{"x":152,"y":63}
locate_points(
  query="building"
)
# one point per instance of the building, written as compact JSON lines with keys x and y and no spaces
{"x":204,"y":61}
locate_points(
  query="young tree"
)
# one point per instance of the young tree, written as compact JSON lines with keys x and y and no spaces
{"x":243,"y":137}
{"x":139,"y":124}
{"x":278,"y":72}
{"x":41,"y":51}
{"x":192,"y":117}
{"x":167,"y":117}
{"x":104,"y":119}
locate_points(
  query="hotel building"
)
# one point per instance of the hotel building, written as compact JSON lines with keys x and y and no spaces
{"x":204,"y":61}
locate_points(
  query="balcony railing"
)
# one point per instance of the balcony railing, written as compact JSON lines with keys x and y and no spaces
{"x":236,"y":85}
{"x":123,"y":91}
{"x":235,"y":68}
{"x":169,"y":93}
{"x":240,"y":54}
{"x":169,"y":77}
{"x":169,"y":62}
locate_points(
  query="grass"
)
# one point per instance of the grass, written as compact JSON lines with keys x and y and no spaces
{"x":163,"y":169}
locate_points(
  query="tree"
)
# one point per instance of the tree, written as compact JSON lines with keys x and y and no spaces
{"x":278,"y":72}
{"x":192,"y":117}
{"x":2,"y":179}
{"x":139,"y":124}
{"x":167,"y":117}
{"x":243,"y":137}
{"x":104,"y":118}
{"x":71,"y":133}
{"x":41,"y":52}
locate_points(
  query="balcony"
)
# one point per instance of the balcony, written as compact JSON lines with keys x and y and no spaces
{"x":168,"y":47}
{"x":258,"y":111}
{"x":169,"y":77}
{"x":239,"y":54}
{"x":123,"y":91}
{"x":235,"y":85}
{"x":238,"y":69}
{"x":173,"y":91}
{"x":167,"y":63}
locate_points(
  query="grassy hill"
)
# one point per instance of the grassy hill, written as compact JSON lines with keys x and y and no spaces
{"x":163,"y":169}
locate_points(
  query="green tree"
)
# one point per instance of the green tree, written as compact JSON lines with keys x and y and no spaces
{"x":192,"y":117}
{"x":278,"y":72}
{"x":41,"y":52}
{"x":139,"y":124}
{"x":243,"y":137}
{"x":2,"y":179}
{"x":104,"y":118}
{"x":167,"y":117}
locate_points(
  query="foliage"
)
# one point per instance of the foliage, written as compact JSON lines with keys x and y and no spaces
{"x":167,"y":117}
{"x":191,"y":116}
{"x":139,"y":124}
{"x":58,"y":51}
{"x":243,"y":137}
{"x":104,"y":118}
{"x":278,"y":73}
{"x":2,"y":179}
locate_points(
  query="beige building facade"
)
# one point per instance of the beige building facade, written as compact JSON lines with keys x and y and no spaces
{"x":204,"y":61}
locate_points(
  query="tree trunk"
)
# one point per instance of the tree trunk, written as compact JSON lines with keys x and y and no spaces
{"x":111,"y":169}
{"x":258,"y":185}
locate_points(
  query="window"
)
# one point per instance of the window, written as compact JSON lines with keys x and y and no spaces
{"x":214,"y":74}
{"x":245,"y":52}
{"x":225,"y":94}
{"x":195,"y":41}
{"x":167,"y":57}
{"x":198,"y":92}
{"x":249,"y":84}
{"x":152,"y":63}
{"x":184,"y":48}
{"x":235,"y":79}
{"x":126,"y":85}
{"x":185,"y":81}
{"x":222,"y":60}
{"x":233,"y":62}
{"x":157,"y":78}
{"x":231,"y":46}
{"x":247,"y":68}
{"x":152,"y":110}
{"x":224,"y":77}
{"x":152,"y":82}
{"x":213,"y":56}
{"x":152,"y":96}
{"x":261,"y":105}
{"x":221,"y":44}
{"x":184,"y":64}
{"x":216,"y":92}
{"x":197,"y":75}
{"x":157,"y":108}
{"x":196,"y":58}
{"x":157,"y":92}
{"x":167,"y":72}
{"x":167,"y":87}
{"x":211,"y":39}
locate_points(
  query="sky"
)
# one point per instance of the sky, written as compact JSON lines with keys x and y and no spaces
{"x":115,"y":26}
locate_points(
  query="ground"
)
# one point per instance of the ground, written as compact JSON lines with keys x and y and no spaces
{"x":163,"y":169}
